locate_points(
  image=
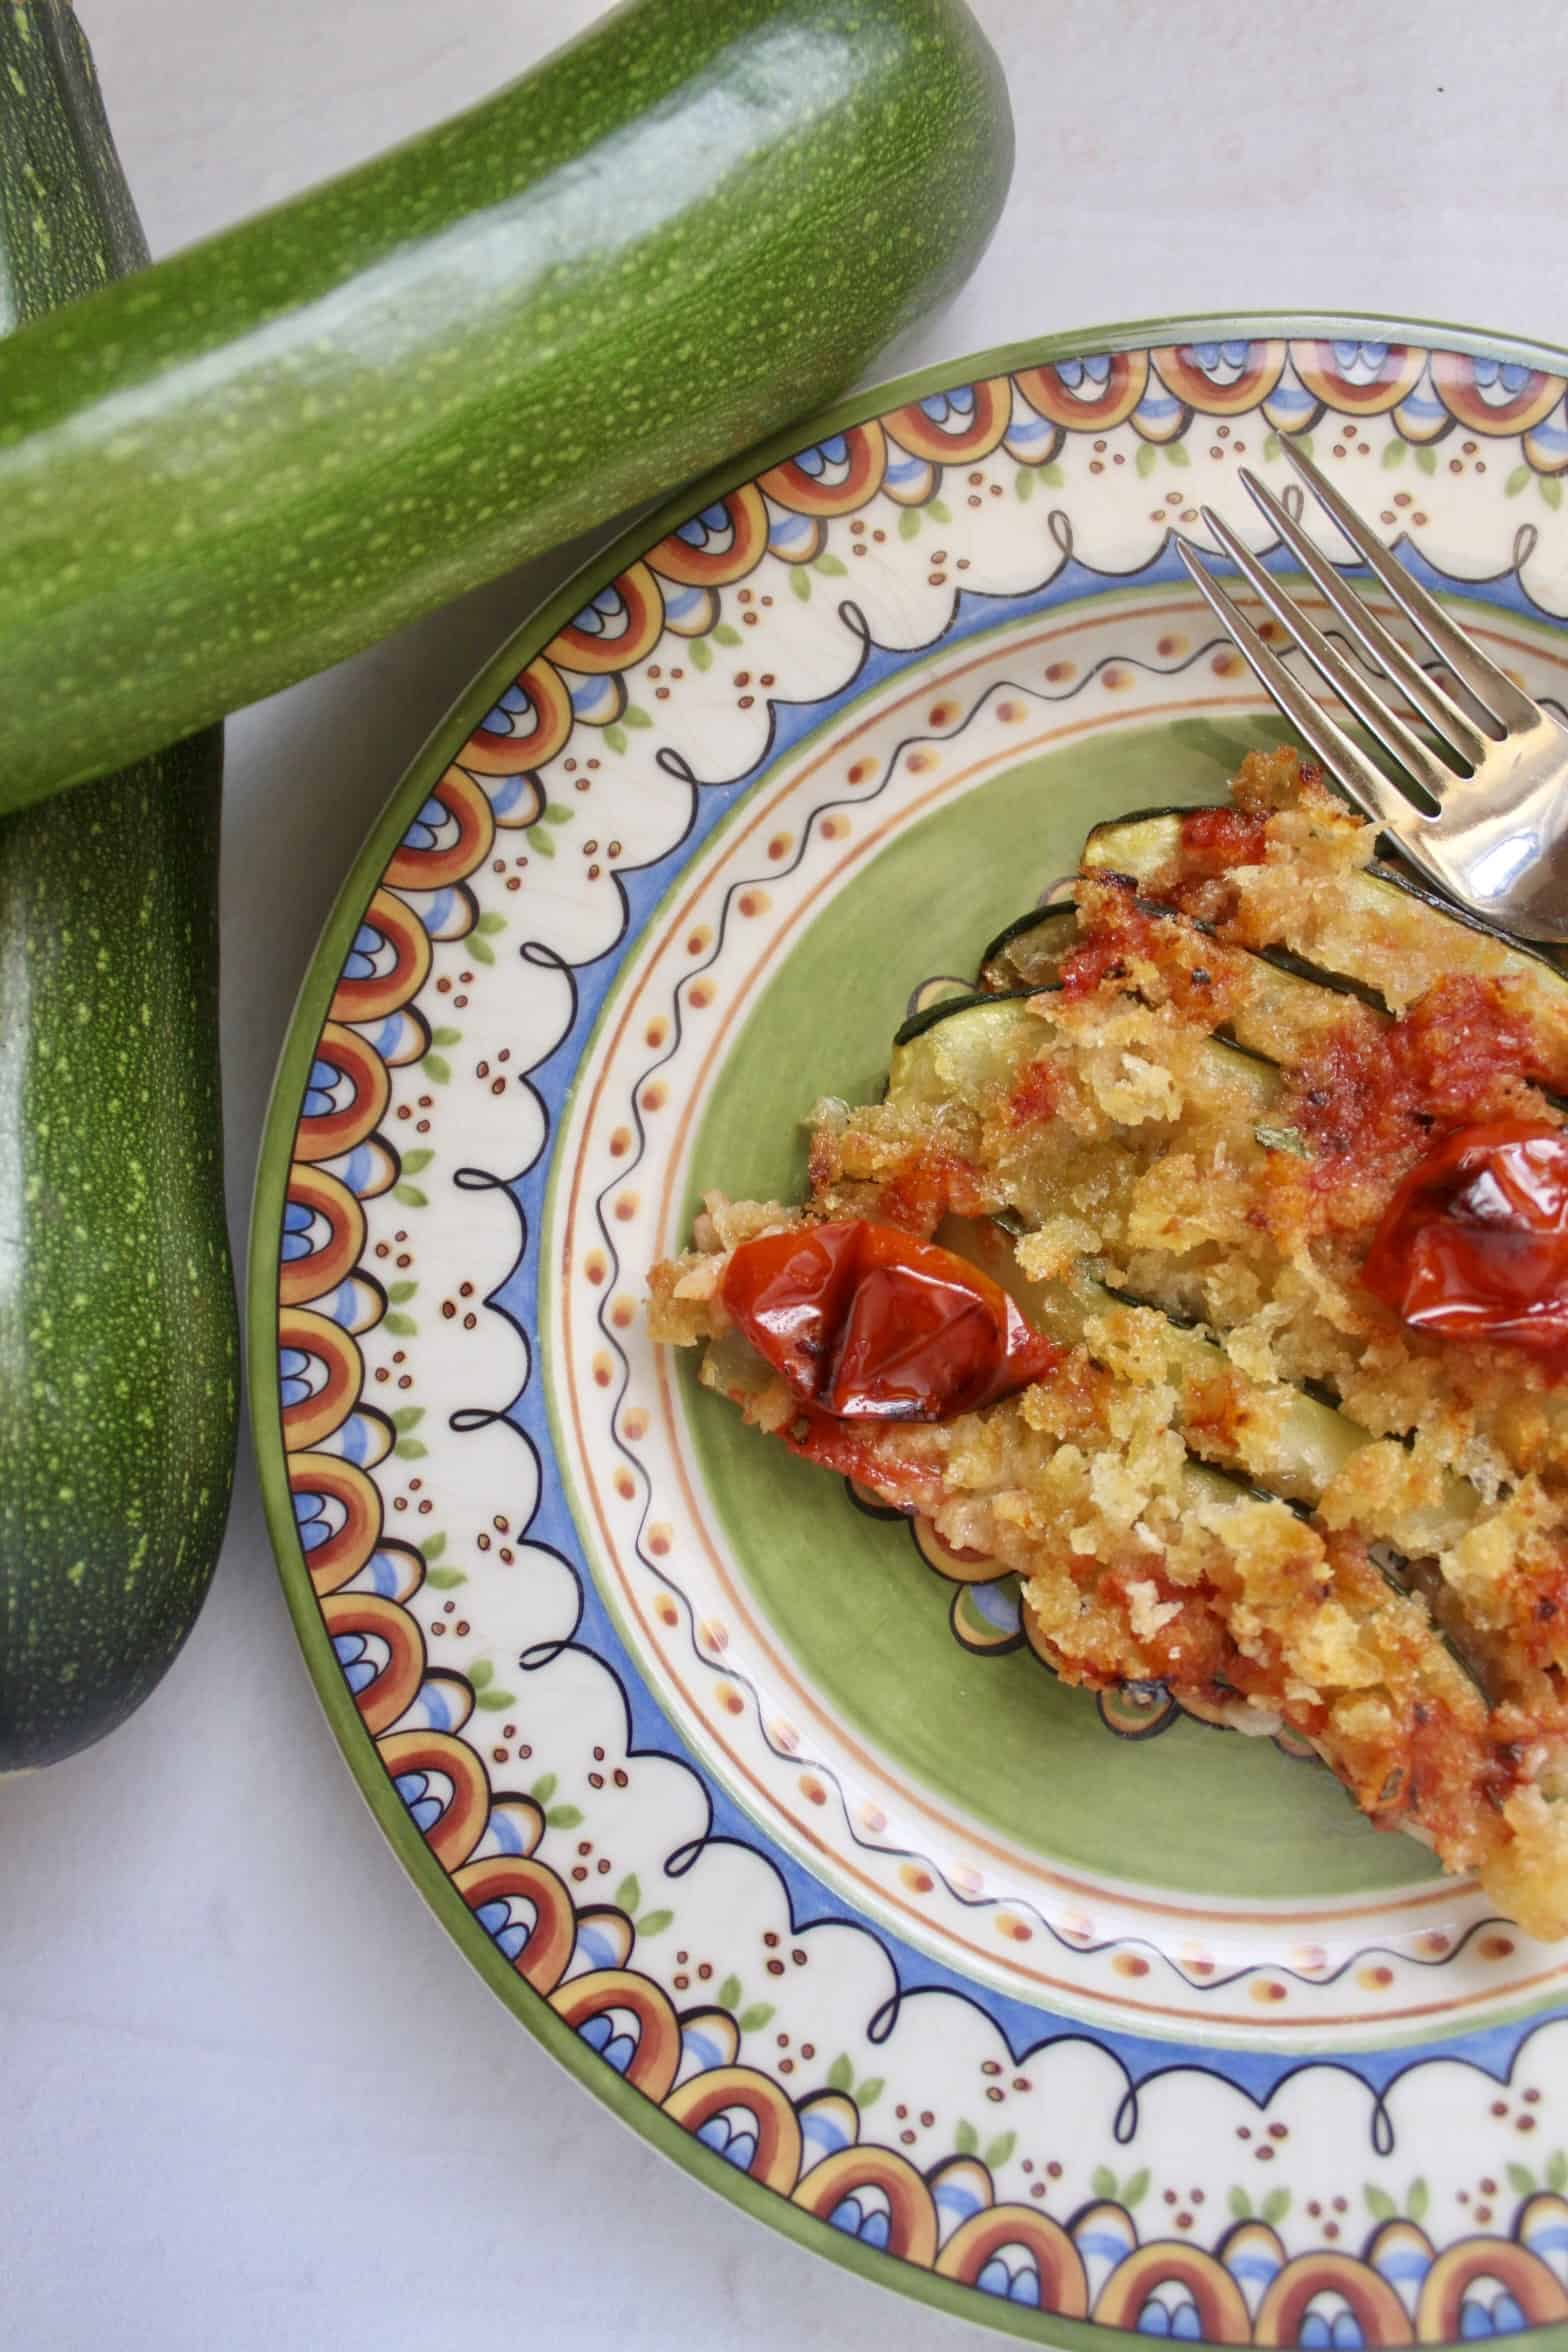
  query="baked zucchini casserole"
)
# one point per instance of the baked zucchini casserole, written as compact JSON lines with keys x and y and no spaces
{"x":1207,"y":1265}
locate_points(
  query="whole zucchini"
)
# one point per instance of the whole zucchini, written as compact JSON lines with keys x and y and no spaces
{"x":685,"y":228}
{"x":118,"y":1343}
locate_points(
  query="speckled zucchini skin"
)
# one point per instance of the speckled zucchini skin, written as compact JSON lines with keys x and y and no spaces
{"x":692,"y":224}
{"x":118,"y":1341}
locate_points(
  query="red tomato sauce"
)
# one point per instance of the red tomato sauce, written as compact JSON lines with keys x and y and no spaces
{"x":1366,"y":1101}
{"x":863,"y":1322}
{"x":1214,"y":840}
{"x":932,"y":1183}
{"x":1032,"y":1101}
{"x":1117,"y":935}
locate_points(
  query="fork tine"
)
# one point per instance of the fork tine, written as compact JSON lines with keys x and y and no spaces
{"x":1331,"y":665}
{"x":1438,"y":709}
{"x":1367,"y":785}
{"x":1492,"y":688}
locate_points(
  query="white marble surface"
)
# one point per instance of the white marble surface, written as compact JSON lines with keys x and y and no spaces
{"x":223,"y":2130}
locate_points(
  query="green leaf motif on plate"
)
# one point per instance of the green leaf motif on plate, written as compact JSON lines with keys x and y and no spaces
{"x":800,"y":584}
{"x":998,"y":2150}
{"x":446,"y":1579}
{"x":1103,"y":2182}
{"x":730,"y":1993}
{"x":411,"y":1198}
{"x":398,"y":1293}
{"x":615,"y":737}
{"x":481,"y":1672}
{"x":480,"y":949}
{"x":436,"y":1066}
{"x":402,"y":1326}
{"x":1053,"y":475}
{"x":635,"y":716}
{"x":491,"y":923}
{"x":1177,"y":453}
{"x":414,"y":1161}
{"x":841,"y":2075}
{"x":966,"y":2139}
{"x":1551,"y":489}
{"x":909,"y":523}
{"x":1518,"y":480}
{"x":628,"y":1895}
{"x":446,"y":1036}
{"x":1393,"y":454}
{"x":1270,"y":448}
{"x":1135,"y":2188}
{"x":544,"y":1788}
{"x":702,"y":653}
{"x":939,"y":510}
{"x":1521,"y":2180}
{"x":1275,"y":2206}
{"x":433,"y":1546}
{"x":1557,"y":2172}
{"x":726,"y":634}
{"x":495,"y":1698}
{"x":869,"y":2092}
{"x":1239,"y":2205}
{"x":561,"y":1816}
{"x":1380,"y":2204}
{"x":654,"y":1923}
{"x":753,"y":2020}
{"x":1426,"y":461}
{"x":1023,"y":483}
{"x":829,"y":565}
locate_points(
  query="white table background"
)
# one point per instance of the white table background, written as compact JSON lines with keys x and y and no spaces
{"x":254,"y":2098}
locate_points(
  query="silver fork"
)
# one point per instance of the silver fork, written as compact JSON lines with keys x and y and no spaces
{"x":1491,"y":831}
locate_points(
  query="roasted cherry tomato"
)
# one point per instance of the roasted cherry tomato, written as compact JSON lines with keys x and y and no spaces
{"x":1474,"y":1244}
{"x":866,"y":1323}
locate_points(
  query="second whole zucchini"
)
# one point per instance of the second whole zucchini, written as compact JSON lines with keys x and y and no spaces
{"x":119,"y":1365}
{"x":682,"y":230}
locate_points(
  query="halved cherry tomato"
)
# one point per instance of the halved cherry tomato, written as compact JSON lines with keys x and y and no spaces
{"x":1474,"y":1244}
{"x":866,"y":1323}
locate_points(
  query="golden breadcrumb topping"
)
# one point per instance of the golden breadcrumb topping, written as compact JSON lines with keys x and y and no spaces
{"x":1302,"y":1511}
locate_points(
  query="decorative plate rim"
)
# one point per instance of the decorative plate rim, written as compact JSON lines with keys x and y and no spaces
{"x":309,"y":1009}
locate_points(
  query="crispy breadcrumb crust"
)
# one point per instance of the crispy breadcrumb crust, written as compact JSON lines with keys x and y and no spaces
{"x":1128,"y":1145}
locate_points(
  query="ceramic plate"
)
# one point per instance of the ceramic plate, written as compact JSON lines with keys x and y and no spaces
{"x":751,"y":1800}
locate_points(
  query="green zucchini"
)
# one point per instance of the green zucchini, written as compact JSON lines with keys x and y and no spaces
{"x":1314,"y":1440}
{"x":682,"y":230}
{"x":1140,"y":845}
{"x":1308,"y":1445}
{"x":1284,"y":994}
{"x":953,"y":1051}
{"x":118,"y":1341}
{"x":1028,"y":951}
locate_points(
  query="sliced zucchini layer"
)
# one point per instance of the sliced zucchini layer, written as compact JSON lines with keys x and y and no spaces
{"x":1028,"y":952}
{"x":1389,"y":919}
{"x":1287,"y":1442}
{"x":1283,"y":1005}
{"x":961,"y":1051}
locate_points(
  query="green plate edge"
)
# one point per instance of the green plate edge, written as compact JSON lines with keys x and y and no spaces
{"x":272,"y":1167}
